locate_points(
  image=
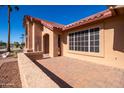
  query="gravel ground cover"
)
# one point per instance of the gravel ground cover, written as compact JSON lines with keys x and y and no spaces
{"x":9,"y":73}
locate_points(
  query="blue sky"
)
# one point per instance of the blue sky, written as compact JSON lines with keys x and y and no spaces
{"x":60,"y":14}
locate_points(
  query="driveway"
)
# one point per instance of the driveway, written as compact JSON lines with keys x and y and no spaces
{"x":77,"y":73}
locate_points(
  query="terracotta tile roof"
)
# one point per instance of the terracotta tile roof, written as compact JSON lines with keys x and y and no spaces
{"x":48,"y":24}
{"x":101,"y":15}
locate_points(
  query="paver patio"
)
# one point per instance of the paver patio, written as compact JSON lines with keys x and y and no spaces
{"x":77,"y":73}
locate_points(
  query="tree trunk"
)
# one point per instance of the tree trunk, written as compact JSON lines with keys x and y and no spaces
{"x":8,"y":44}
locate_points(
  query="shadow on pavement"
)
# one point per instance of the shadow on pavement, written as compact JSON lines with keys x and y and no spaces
{"x":55,"y":78}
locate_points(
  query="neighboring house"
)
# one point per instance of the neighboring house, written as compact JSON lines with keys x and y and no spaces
{"x":98,"y":38}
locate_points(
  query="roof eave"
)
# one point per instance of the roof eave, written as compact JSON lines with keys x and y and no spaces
{"x":87,"y":22}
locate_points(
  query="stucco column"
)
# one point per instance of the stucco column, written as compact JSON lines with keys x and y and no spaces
{"x":26,"y":39}
{"x":27,"y":35}
{"x":33,"y":37}
{"x":55,"y":44}
{"x":51,"y":43}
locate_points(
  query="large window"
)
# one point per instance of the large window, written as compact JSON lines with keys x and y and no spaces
{"x":87,"y":40}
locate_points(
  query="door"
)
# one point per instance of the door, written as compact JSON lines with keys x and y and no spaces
{"x":46,"y":43}
{"x":59,"y":45}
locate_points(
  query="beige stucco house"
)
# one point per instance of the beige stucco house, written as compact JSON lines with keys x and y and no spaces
{"x":98,"y":38}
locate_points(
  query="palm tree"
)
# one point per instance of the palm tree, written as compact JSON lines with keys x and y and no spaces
{"x":22,"y":38}
{"x":9,"y":14}
{"x":10,"y":9}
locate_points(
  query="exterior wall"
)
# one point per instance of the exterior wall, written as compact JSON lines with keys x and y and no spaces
{"x":56,"y":49}
{"x":37,"y":40}
{"x":35,"y":34}
{"x":33,"y":42}
{"x":30,"y":36}
{"x":51,"y":40}
{"x":111,"y":43}
{"x":26,"y":37}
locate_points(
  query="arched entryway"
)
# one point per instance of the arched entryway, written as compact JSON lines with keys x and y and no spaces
{"x":46,"y":44}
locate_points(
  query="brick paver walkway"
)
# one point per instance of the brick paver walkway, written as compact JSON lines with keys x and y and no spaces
{"x":79,"y":73}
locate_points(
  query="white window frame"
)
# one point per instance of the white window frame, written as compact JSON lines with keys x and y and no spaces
{"x":89,"y":47}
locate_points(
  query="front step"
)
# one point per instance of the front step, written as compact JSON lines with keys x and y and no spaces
{"x":46,"y":56}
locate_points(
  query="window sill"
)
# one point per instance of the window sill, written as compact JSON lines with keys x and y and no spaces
{"x":100,"y":55}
